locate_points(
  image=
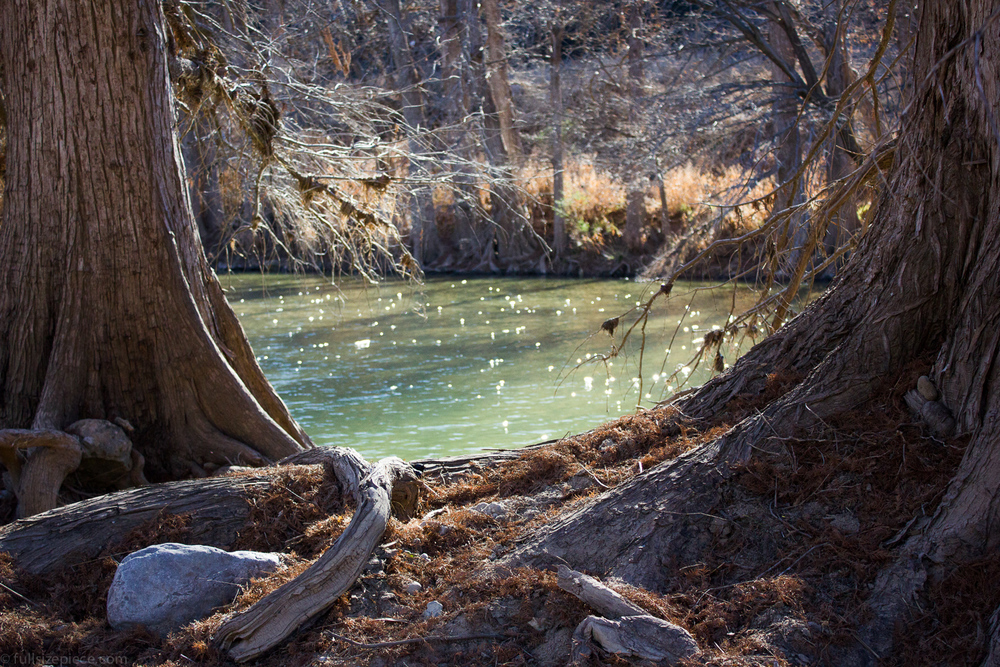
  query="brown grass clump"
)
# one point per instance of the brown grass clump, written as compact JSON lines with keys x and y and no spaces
{"x":297,"y":497}
{"x":610,"y":454}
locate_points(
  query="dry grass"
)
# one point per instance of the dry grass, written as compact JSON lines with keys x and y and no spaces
{"x":595,"y":199}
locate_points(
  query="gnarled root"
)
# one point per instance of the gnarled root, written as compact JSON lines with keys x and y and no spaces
{"x":39,"y":460}
{"x":270,"y":621}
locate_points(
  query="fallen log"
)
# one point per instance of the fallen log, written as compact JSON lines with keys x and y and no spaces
{"x":218,"y":508}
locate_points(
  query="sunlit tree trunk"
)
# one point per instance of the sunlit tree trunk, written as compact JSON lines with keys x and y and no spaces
{"x":788,"y":154}
{"x":559,"y":235}
{"x":635,"y":207}
{"x":107,"y":306}
{"x":513,"y":240}
{"x":424,"y":241}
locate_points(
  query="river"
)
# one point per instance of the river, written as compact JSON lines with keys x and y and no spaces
{"x":460,"y":364}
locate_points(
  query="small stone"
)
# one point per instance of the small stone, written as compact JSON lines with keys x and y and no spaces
{"x":717,"y":526}
{"x":938,"y":417}
{"x":434,"y":609}
{"x":581,"y":481}
{"x":492,"y":510}
{"x":553,"y":651}
{"x":845,"y":523}
{"x":927,"y":388}
{"x":166,"y":586}
{"x":413,"y":587}
{"x":374,"y":565}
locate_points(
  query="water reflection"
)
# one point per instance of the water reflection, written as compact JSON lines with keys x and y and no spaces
{"x":458,"y":365}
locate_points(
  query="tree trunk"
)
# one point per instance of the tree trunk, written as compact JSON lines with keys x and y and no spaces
{"x":498,"y":80}
{"x":788,"y":154}
{"x":924,"y":281}
{"x":844,"y":152}
{"x":424,"y":241}
{"x":512,"y":238}
{"x":107,"y":306}
{"x":559,"y":236}
{"x":635,"y":196}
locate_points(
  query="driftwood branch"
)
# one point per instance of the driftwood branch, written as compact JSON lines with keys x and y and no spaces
{"x":628,"y":630}
{"x":645,"y":637}
{"x":270,"y":621}
{"x":596,"y":595}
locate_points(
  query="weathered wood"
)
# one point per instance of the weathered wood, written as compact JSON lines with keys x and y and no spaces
{"x":270,"y":621}
{"x":74,"y":533}
{"x":645,"y":637}
{"x":596,"y":595}
{"x":627,"y":630}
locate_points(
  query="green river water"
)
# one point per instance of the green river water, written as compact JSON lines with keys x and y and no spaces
{"x":458,"y":364}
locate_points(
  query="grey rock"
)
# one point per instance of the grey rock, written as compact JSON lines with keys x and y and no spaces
{"x":166,"y":586}
{"x":434,"y":609}
{"x":413,"y":587}
{"x":938,"y":417}
{"x":493,"y":510}
{"x":927,"y":388}
{"x":107,"y":460}
{"x":581,"y":481}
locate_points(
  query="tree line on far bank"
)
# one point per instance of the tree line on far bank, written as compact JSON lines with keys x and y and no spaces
{"x":567,"y":136}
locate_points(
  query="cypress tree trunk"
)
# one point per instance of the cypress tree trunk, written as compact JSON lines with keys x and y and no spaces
{"x":107,"y":306}
{"x":924,"y":282}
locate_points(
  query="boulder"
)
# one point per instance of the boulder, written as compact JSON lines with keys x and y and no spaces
{"x":166,"y":586}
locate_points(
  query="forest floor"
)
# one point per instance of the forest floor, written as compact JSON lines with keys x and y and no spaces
{"x":795,"y":549}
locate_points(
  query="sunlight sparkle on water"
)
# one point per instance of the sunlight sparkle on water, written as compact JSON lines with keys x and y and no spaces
{"x":442,"y":392}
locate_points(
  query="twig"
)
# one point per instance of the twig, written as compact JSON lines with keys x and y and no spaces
{"x":13,"y":592}
{"x":595,"y":478}
{"x":414,"y":640}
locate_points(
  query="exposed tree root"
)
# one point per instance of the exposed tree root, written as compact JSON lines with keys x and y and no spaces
{"x":255,"y":631}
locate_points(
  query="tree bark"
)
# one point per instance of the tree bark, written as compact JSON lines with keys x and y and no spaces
{"x":635,"y":196}
{"x":924,"y":280}
{"x":424,"y":241}
{"x":107,"y":306}
{"x":559,"y":235}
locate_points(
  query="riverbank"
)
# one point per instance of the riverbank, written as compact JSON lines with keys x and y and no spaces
{"x":792,"y":553}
